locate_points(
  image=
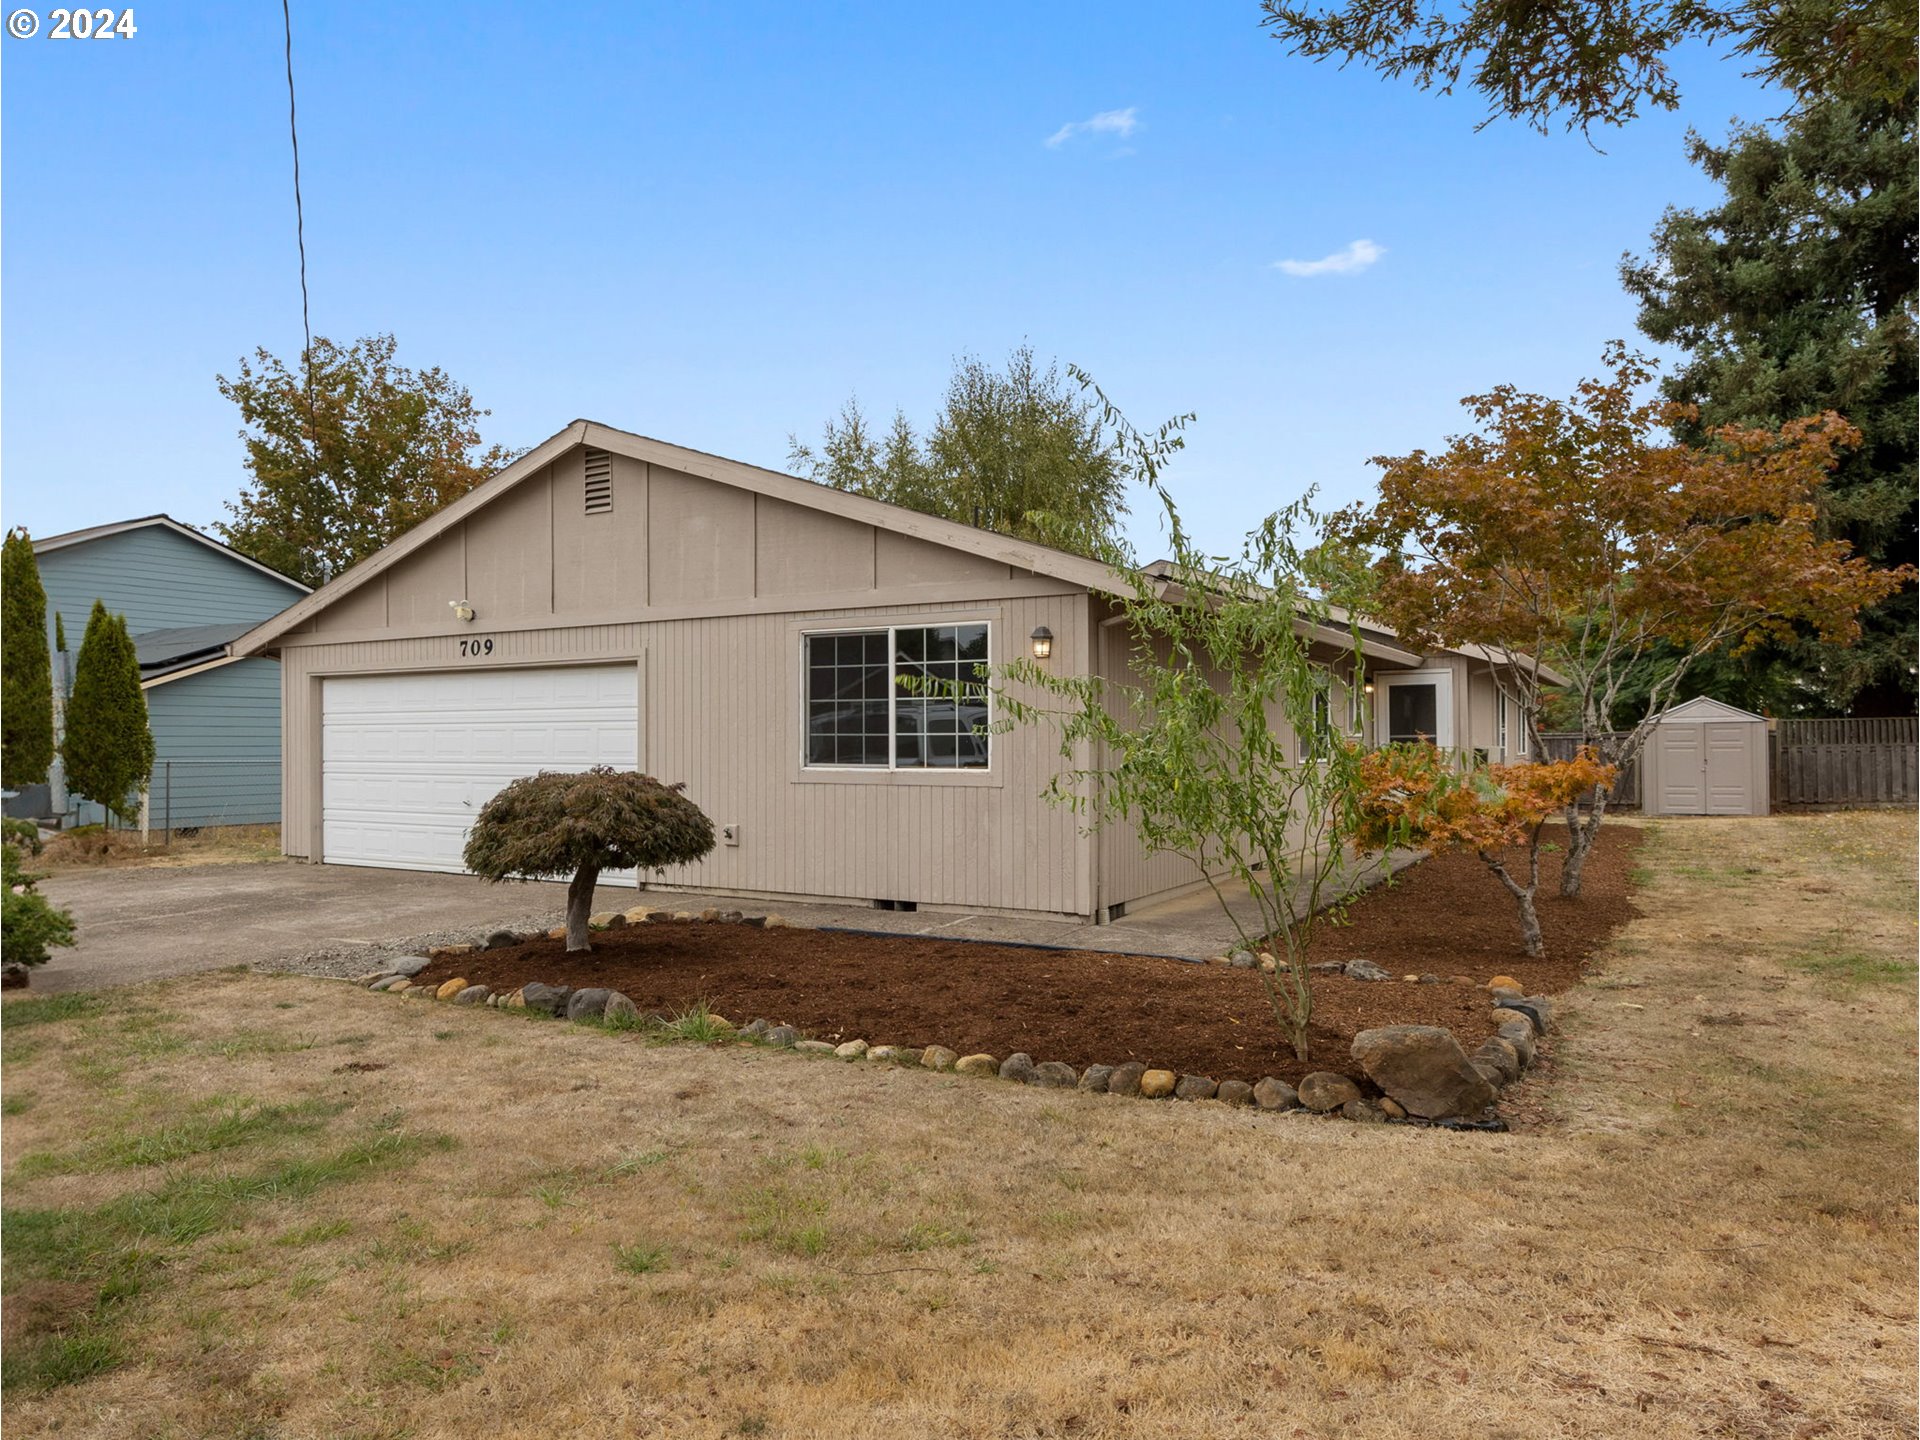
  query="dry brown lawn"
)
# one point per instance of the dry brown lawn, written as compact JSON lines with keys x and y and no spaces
{"x":93,"y":846}
{"x":318,"y":1212}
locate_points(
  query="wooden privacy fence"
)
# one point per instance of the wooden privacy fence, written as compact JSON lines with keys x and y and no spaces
{"x":1626,"y":786}
{"x":1846,"y":762}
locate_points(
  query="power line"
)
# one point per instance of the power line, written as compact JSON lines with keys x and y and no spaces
{"x":299,"y":220}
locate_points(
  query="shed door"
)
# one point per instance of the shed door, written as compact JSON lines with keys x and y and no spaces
{"x":1729,"y":768}
{"x":408,"y":760}
{"x":1682,"y":770}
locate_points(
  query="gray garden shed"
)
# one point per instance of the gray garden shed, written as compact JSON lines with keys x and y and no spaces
{"x":1705,"y":757}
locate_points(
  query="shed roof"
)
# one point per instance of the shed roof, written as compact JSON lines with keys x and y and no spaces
{"x":1705,"y":707}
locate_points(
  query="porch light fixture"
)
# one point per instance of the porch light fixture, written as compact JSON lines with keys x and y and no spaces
{"x":1368,"y":687}
{"x":1042,"y":642}
{"x":462,"y":609}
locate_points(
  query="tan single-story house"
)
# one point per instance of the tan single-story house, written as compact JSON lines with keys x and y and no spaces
{"x":613,"y":599}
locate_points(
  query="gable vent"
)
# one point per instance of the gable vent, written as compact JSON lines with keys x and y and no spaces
{"x":599,"y":482}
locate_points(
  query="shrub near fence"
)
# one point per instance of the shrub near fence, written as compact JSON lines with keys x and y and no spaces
{"x":1846,"y":762}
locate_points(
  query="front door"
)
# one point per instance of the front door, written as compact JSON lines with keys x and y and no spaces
{"x":1418,"y":707}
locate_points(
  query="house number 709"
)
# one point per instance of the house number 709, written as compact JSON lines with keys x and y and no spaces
{"x":474,"y":649}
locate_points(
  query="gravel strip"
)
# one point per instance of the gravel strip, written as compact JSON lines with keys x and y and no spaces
{"x":341,"y":962}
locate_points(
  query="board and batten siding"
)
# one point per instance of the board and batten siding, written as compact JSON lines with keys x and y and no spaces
{"x":707,"y":589}
{"x":721,"y":708}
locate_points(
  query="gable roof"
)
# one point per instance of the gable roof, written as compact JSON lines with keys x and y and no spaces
{"x":1021,"y":554}
{"x":165,"y":522}
{"x":1705,"y":707}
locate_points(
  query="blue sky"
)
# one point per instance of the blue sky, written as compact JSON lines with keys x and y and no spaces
{"x":713,"y":223}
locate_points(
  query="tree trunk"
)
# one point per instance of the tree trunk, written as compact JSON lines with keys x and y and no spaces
{"x":1530,"y":935}
{"x":1290,"y":993}
{"x":1580,"y":837}
{"x":580,"y":906}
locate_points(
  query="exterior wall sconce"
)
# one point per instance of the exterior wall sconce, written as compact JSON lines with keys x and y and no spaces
{"x":1368,"y":687}
{"x":1042,"y":642}
{"x":462,"y":609}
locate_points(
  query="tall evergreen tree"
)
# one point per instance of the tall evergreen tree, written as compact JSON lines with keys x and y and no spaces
{"x":108,"y":750}
{"x":26,"y":670}
{"x":1794,"y":295}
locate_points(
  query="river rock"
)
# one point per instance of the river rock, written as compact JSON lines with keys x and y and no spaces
{"x":411,"y":965}
{"x":472,"y":995}
{"x":588,"y":1004}
{"x":1504,"y":1054}
{"x":1055,"y":1075}
{"x":1094,"y":1081}
{"x":781,"y":1035}
{"x":447,"y":989}
{"x":938,"y":1057}
{"x":1536,"y":1008}
{"x":1391,"y":1107}
{"x":851,"y":1049}
{"x":1424,"y":1068}
{"x":1018,"y":1066}
{"x":982,"y":1064}
{"x":1272,"y":1094}
{"x":1364,"y":1111}
{"x":1365,"y":970}
{"x":885,"y":1054}
{"x":1518,"y":1032}
{"x":1323,"y":1091}
{"x":620,"y":1009}
{"x":1234,"y":1092}
{"x":814,"y":1047}
{"x":1157,"y":1084}
{"x":500,"y":940}
{"x":1125,"y":1079}
{"x":1196,"y":1087}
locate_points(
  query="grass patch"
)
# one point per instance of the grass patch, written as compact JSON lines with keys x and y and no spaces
{"x":115,"y":1251}
{"x":50,"y":1010}
{"x":18,"y":1103}
{"x":236,"y":1123}
{"x":637,"y":1259}
{"x":1852,"y":969}
{"x":697,"y":1025}
{"x":786,"y":1220}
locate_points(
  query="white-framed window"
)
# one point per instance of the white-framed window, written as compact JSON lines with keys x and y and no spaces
{"x":1500,"y":723}
{"x":1322,"y":722}
{"x":1512,"y":727}
{"x":1416,"y":705}
{"x":859,"y":717}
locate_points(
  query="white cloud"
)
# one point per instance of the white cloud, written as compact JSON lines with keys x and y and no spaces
{"x":1357,"y":256}
{"x":1108,"y":122}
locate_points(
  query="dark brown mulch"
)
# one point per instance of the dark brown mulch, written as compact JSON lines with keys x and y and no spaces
{"x":1445,"y":916}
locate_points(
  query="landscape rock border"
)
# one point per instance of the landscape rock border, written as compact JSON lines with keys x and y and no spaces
{"x":1406,"y":1098}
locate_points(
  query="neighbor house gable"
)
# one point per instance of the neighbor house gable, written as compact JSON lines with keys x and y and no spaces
{"x":657,"y":529}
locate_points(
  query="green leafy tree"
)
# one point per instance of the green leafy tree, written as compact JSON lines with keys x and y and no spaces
{"x":346,"y":452}
{"x":1222,"y":744}
{"x":579,"y":825}
{"x":1015,"y":451}
{"x":31,"y":926}
{"x":1792,"y":295}
{"x":107,"y":749}
{"x":1598,"y":63}
{"x":26,"y":679}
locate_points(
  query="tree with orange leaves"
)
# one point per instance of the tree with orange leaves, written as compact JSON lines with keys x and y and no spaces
{"x":1419,"y":796}
{"x":1570,"y":542}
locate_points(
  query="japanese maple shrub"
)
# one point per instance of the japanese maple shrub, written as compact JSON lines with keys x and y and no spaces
{"x":1422,"y":796}
{"x":1571,"y":541}
{"x":544,"y":826}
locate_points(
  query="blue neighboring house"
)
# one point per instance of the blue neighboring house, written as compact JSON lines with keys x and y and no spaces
{"x":215,"y":719}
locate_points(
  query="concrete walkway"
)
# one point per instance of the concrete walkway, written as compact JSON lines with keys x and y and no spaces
{"x":150,"y":923}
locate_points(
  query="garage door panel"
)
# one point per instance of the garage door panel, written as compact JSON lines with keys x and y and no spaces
{"x":409,"y":760}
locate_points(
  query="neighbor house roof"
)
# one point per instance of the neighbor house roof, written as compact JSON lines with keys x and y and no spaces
{"x":166,"y":522}
{"x":161,"y":652}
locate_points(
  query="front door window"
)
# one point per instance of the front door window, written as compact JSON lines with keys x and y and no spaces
{"x":1413,"y":713}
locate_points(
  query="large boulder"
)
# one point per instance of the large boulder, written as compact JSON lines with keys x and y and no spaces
{"x":1424,"y":1068}
{"x":1125,"y":1079}
{"x":588,"y":1004}
{"x":1018,"y":1066}
{"x":1323,"y":1091}
{"x":1274,"y":1094}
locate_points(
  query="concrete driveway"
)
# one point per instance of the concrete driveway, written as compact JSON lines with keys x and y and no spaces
{"x":151,"y":922}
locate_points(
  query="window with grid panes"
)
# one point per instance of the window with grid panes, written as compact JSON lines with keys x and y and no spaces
{"x":858,"y":715}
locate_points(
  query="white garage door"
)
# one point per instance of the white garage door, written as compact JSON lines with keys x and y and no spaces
{"x":408,"y":760}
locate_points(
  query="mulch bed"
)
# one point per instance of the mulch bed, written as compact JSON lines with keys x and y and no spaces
{"x":1446,"y":916}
